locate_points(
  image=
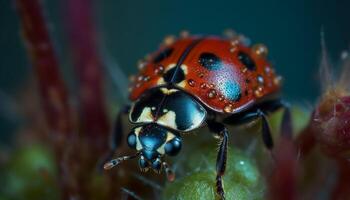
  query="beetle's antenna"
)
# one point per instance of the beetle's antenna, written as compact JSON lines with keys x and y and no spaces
{"x":112,"y":163}
{"x":169,"y":173}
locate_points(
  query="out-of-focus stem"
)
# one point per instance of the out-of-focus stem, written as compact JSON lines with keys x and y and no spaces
{"x":82,"y":36}
{"x":53,"y":93}
{"x":341,"y":190}
{"x":283,"y":182}
{"x":52,"y":89}
{"x":306,"y":141}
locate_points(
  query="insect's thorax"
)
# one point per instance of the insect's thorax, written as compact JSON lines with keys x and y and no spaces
{"x":168,"y":107}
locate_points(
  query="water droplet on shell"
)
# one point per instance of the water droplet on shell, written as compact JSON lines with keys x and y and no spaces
{"x":211,"y":94}
{"x":191,"y":82}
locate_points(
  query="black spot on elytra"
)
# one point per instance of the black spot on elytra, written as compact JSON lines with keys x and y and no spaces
{"x":247,"y":61}
{"x":174,"y":76}
{"x":162,"y":55}
{"x":210,"y":61}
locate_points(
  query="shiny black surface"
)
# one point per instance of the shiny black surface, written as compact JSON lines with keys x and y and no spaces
{"x":247,"y":61}
{"x":152,"y":137}
{"x":189,"y":114}
{"x":174,"y":75}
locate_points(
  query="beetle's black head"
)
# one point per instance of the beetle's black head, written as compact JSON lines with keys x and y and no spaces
{"x":153,"y":142}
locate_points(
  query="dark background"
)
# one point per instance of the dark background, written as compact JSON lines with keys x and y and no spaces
{"x":130,"y":29}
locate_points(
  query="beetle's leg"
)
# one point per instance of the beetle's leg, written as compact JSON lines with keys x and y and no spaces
{"x":117,"y":134}
{"x":266,"y":130}
{"x":221,"y":131}
{"x":248,"y":117}
{"x":286,"y":124}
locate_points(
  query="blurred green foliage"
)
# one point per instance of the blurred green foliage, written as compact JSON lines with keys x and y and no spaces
{"x":30,"y":174}
{"x":242,"y":179}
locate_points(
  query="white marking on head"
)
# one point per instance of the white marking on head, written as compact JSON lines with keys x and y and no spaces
{"x":167,"y":91}
{"x":161,"y":149}
{"x":169,"y":137}
{"x":138,"y":143}
{"x":168,"y":119}
{"x":146,"y":115}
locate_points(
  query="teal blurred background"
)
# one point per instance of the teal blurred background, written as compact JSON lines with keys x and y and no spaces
{"x":130,"y":29}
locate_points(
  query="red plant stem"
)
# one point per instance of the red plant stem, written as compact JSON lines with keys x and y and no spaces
{"x":51,"y":86}
{"x":341,"y":190}
{"x":283,"y":182}
{"x":306,"y":141}
{"x":88,"y":65}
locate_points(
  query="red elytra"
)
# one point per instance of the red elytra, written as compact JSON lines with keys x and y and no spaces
{"x":237,"y":76}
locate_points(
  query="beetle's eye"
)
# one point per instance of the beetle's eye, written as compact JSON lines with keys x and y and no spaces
{"x":173,"y":147}
{"x":132,"y":140}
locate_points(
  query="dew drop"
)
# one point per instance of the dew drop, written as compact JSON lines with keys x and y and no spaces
{"x":277,"y":80}
{"x":204,"y":86}
{"x":191,"y":82}
{"x":146,"y":78}
{"x":140,"y":78}
{"x":211,"y":94}
{"x":169,"y":40}
{"x":233,"y":49}
{"x":159,"y":70}
{"x":221,"y":97}
{"x":267,"y":70}
{"x":258,"y":92}
{"x":260,"y":50}
{"x":228,"y":108}
{"x":235,"y":42}
{"x":260,"y":79}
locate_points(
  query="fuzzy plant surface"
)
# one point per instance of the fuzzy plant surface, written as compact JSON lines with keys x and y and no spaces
{"x":30,"y":174}
{"x":245,"y":176}
{"x":241,"y":181}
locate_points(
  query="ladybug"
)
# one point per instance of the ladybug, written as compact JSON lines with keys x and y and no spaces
{"x":196,"y":81}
